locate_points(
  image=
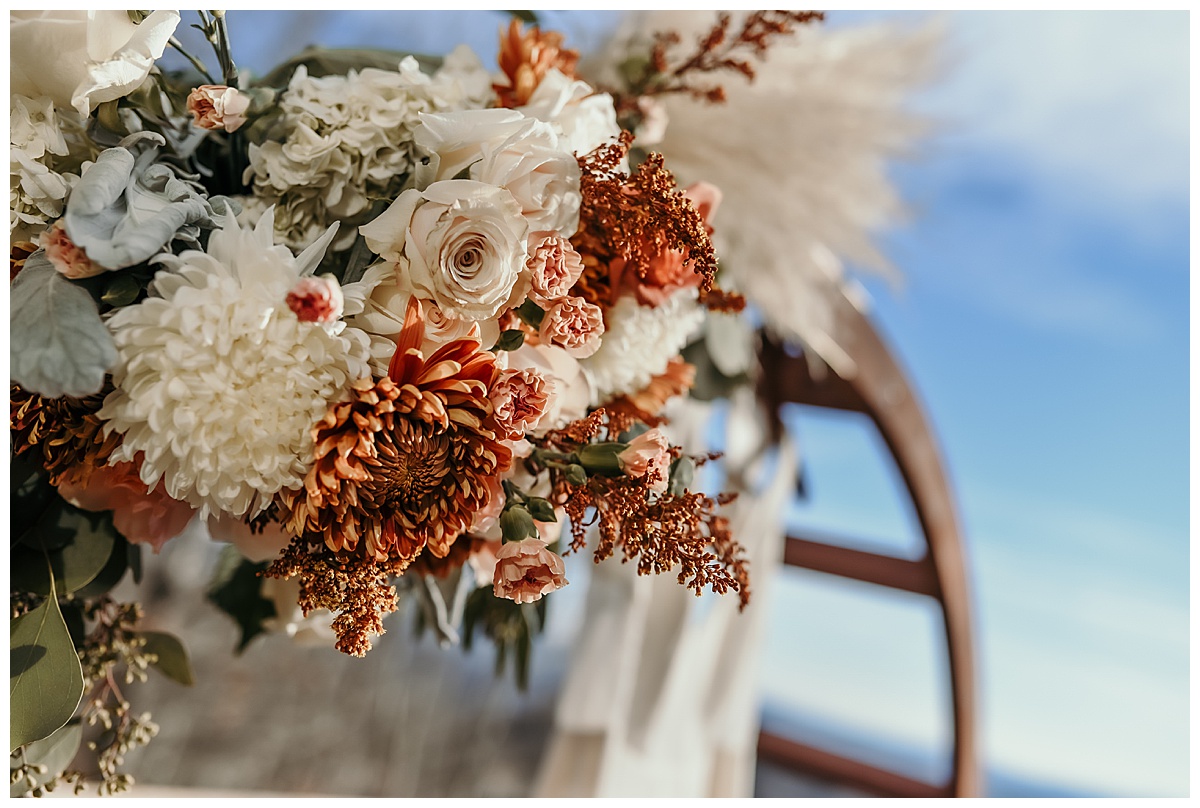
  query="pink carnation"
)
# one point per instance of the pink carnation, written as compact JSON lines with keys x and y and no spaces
{"x":70,"y":260}
{"x":488,"y":516}
{"x":214,"y":106}
{"x":648,"y":454}
{"x":316,"y":300}
{"x":142,"y":516}
{"x":554,"y":267}
{"x":519,"y":400}
{"x":574,"y":325}
{"x":526,"y":570}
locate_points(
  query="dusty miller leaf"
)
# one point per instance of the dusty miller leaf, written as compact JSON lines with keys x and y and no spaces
{"x":58,"y":345}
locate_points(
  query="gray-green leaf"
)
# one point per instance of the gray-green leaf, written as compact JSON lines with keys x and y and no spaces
{"x":55,"y":753}
{"x":58,"y":345}
{"x":172,"y":659}
{"x":45,"y":679}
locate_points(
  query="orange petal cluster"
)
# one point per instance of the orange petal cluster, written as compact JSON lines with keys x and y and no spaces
{"x":525,"y":58}
{"x":405,"y":463}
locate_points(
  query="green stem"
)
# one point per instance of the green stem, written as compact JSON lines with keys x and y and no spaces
{"x":225,"y":51}
{"x":196,"y":63}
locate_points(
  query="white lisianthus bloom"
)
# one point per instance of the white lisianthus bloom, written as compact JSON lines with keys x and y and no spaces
{"x":639,"y":342}
{"x":459,"y":243}
{"x":587,"y":118}
{"x":218,"y":382}
{"x":80,"y":59}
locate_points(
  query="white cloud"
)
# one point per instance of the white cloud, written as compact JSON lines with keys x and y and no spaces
{"x":1099,"y":99}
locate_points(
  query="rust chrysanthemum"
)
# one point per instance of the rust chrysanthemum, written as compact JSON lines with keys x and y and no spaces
{"x":402,"y":465}
{"x":64,"y":433}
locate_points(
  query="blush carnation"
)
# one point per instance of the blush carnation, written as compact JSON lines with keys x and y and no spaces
{"x":526,"y":570}
{"x":67,"y":257}
{"x":519,"y":400}
{"x":554,"y":267}
{"x":316,"y":300}
{"x":214,"y":106}
{"x":648,"y":454}
{"x":574,"y":325}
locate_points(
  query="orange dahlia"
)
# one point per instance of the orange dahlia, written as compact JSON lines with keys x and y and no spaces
{"x":525,"y":58}
{"x":404,"y":463}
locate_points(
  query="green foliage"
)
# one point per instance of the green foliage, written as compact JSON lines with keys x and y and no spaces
{"x":541,"y":510}
{"x":339,"y":61}
{"x":54,"y":753}
{"x":77,"y":544}
{"x":516,"y":523}
{"x":531,"y":314}
{"x":172,"y":658}
{"x":683,"y":470}
{"x":236,"y":589}
{"x":45,"y":678}
{"x":525,"y":16}
{"x":601,"y":458}
{"x":509,"y":625}
{"x":510,"y":340}
{"x":710,"y":384}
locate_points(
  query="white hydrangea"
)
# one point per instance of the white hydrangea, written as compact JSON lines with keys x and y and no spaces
{"x":218,"y":383}
{"x":639,"y":341}
{"x":37,"y":190}
{"x":350,"y":138}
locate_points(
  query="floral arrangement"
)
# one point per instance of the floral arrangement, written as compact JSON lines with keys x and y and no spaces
{"x":384,"y":323}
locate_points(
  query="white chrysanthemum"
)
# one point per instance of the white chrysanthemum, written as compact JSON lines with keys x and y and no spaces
{"x":348,"y":140}
{"x":219,"y":383}
{"x":638,"y":343}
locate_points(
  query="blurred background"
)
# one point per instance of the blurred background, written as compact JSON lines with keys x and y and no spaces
{"x":1043,"y":317}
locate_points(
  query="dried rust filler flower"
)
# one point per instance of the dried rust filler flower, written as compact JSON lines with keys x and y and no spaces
{"x":660,"y":532}
{"x":400,"y":468}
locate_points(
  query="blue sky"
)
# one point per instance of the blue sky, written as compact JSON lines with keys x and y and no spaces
{"x":1044,"y":317}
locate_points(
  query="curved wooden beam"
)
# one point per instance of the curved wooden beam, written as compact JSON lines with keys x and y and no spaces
{"x":880,"y":389}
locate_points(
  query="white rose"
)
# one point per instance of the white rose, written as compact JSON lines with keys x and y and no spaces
{"x":540,"y":174}
{"x":81,"y":59}
{"x":452,"y":141}
{"x":381,"y":316}
{"x":459,"y":243}
{"x":588,"y":119}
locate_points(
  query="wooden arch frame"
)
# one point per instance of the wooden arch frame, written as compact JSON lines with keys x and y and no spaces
{"x":878,"y":388}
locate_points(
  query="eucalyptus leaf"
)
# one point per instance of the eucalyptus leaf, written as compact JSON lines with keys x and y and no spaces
{"x":45,"y":678}
{"x":236,"y":589}
{"x":31,"y":495}
{"x":114,"y":570}
{"x":76,"y":562}
{"x":54,"y":752}
{"x":122,"y":290}
{"x":683,"y":470}
{"x":172,"y":659}
{"x":58,"y":345}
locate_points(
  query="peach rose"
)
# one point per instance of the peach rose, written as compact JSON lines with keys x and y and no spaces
{"x":141,"y":515}
{"x":648,"y":454}
{"x":70,"y":260}
{"x":519,"y":400}
{"x":554,"y":266}
{"x":574,"y":325}
{"x":215,"y":106}
{"x":526,"y":570}
{"x":316,"y":300}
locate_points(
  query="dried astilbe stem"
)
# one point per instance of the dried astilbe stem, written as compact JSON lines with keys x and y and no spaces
{"x":355,"y":588}
{"x":634,"y":218}
{"x":719,"y":51}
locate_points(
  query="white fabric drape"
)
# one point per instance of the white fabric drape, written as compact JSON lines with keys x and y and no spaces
{"x":661,"y":697}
